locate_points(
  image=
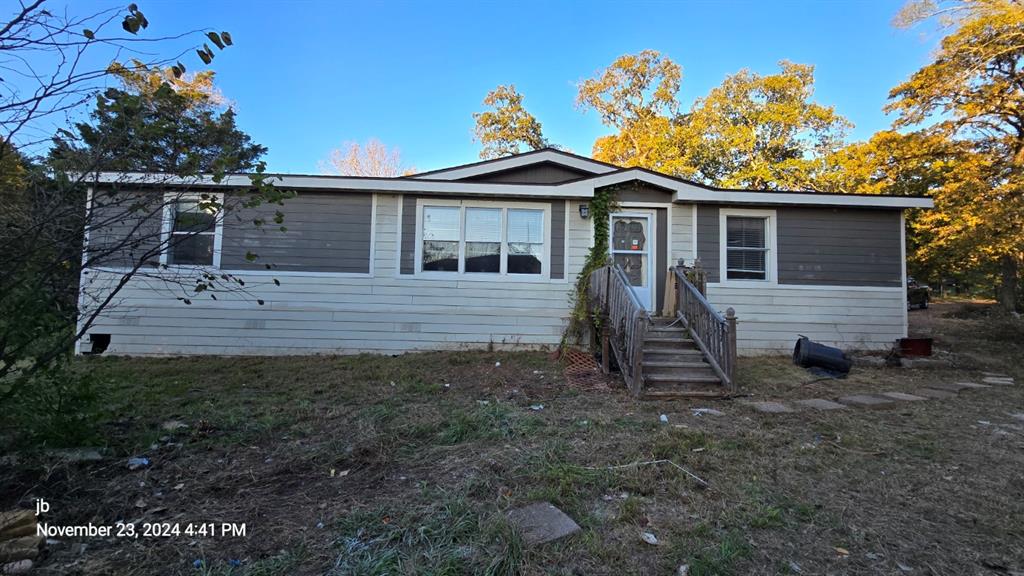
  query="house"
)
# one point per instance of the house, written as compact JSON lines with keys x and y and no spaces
{"x":486,"y":255}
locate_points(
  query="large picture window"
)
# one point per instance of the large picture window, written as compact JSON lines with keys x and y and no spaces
{"x":482,"y":240}
{"x":746,"y":248}
{"x":192,"y":235}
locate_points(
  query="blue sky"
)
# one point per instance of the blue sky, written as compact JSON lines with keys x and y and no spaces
{"x":307,"y":76}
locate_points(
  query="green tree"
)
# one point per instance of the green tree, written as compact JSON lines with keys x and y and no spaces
{"x":157,"y":131}
{"x":972,"y":93}
{"x":507,"y":127}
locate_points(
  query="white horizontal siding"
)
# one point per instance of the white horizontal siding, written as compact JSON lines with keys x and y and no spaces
{"x":682,"y":233}
{"x":331,"y":314}
{"x":386,"y":235}
{"x":771,"y":318}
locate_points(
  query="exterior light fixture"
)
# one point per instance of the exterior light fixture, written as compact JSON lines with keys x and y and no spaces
{"x":584,"y":211}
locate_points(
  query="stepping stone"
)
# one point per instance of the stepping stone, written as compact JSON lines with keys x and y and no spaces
{"x":542,"y":522}
{"x":866,"y":401}
{"x":820,"y":404}
{"x":998,"y":381}
{"x":949,"y":386}
{"x":933,"y":393}
{"x":771,"y":407}
{"x":903,"y":397}
{"x":972,"y":385}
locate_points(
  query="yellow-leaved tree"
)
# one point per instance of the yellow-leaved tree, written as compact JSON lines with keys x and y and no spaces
{"x":636,"y":95}
{"x":507,"y":127}
{"x":762,"y":132}
{"x":972,"y":95}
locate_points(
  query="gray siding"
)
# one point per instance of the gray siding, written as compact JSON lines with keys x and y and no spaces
{"x":661,"y":230}
{"x":639,"y":192}
{"x":558,"y":239}
{"x":839,"y":247}
{"x":124,"y":228}
{"x":821,"y":246}
{"x":543,"y":173}
{"x":326,"y":232}
{"x":707,"y":239}
{"x":408,"y":256}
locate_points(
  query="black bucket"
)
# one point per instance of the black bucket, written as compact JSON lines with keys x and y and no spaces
{"x":809,"y":354}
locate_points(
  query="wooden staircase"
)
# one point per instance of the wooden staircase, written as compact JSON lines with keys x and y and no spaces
{"x":693,"y":354}
{"x":674,"y":366}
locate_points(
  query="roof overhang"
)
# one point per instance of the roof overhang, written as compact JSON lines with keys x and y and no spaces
{"x":684,"y":192}
{"x":343,"y":183}
{"x":680,"y":191}
{"x":519,"y":160}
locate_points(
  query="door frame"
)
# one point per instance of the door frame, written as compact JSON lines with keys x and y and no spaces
{"x":651,"y":249}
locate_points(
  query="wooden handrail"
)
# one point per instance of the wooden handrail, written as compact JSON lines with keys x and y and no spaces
{"x":713,"y":333}
{"x":624,"y":318}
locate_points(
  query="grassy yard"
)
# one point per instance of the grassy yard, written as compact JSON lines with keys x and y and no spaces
{"x":407,"y":465}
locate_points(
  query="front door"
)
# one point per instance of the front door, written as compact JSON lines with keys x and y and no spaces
{"x":632,"y":248}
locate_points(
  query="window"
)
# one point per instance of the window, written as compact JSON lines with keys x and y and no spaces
{"x":482,"y":239}
{"x":440,"y":239}
{"x":193,"y":232}
{"x":746,"y":248}
{"x":525,"y":241}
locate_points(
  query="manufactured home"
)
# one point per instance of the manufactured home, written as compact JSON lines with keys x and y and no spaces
{"x":483,"y":255}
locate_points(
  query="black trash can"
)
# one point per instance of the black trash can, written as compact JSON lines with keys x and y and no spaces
{"x":809,"y":354}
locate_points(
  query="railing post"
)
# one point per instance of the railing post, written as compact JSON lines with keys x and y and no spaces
{"x":730,"y":319}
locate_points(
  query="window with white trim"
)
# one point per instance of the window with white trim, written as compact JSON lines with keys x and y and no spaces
{"x":192,"y":229}
{"x":482,"y":239}
{"x":746,"y":248}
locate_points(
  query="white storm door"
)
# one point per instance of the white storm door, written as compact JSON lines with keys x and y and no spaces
{"x":632,"y":248}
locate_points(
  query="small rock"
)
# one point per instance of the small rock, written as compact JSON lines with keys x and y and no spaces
{"x":542,"y":522}
{"x":173,"y":425}
{"x":138,"y":463}
{"x":683,"y":570}
{"x":537,"y":407}
{"x":19,"y":567}
{"x":497,"y":364}
{"x":664,"y":419}
{"x":649,"y":538}
{"x":795,"y":568}
{"x":903,"y":397}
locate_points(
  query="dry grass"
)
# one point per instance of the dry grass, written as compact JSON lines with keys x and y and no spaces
{"x":428,"y":451}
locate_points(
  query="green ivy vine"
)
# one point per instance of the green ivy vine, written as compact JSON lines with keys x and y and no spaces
{"x":604,"y":203}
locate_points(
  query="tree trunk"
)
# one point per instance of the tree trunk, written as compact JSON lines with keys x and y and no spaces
{"x":1008,"y":285}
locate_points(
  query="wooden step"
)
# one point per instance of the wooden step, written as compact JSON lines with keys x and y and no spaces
{"x":670,"y":393}
{"x":681,"y":379}
{"x":670,"y":329}
{"x":673,"y":355}
{"x":666,"y":337}
{"x":675,"y":364}
{"x":683,"y":347}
